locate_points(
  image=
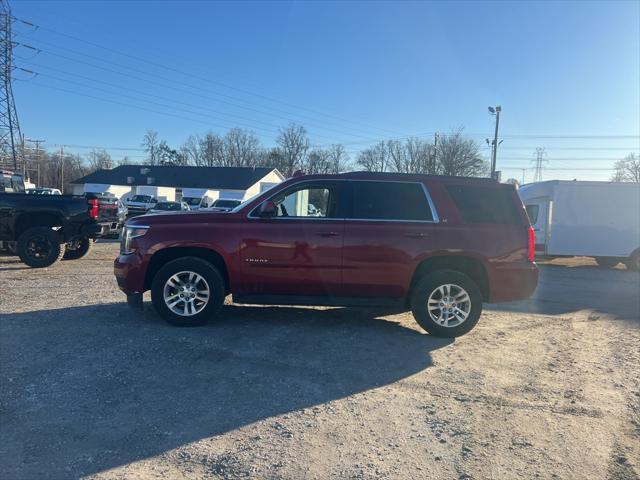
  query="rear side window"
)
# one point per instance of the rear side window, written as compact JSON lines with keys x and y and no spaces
{"x":390,"y":201}
{"x":532,"y":211}
{"x":485,"y":204}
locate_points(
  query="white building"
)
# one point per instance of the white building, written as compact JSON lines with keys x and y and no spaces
{"x":174,"y":182}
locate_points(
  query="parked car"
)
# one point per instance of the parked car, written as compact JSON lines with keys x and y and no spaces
{"x":439,"y":246}
{"x":169,"y":207}
{"x":108,"y":217}
{"x":196,"y":203}
{"x":43,"y":191}
{"x":41,"y":229}
{"x":140,"y":204}
{"x":11,"y":182}
{"x":222,"y":205}
{"x":588,"y":219}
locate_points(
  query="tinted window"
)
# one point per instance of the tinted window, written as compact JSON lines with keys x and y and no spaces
{"x":485,"y":204}
{"x":532,"y":211}
{"x":141,"y":198}
{"x":390,"y":201}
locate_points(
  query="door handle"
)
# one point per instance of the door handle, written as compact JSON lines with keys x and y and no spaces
{"x":327,"y":234}
{"x":416,"y":235}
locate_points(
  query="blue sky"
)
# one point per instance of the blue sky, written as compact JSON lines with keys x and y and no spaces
{"x":352,"y":73}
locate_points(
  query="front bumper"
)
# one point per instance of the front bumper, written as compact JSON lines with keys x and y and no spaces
{"x":512,"y":281}
{"x":130,"y":271}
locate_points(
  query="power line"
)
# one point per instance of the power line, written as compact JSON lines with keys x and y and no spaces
{"x":207,"y":80}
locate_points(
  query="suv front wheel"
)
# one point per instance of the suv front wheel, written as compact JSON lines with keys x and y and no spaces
{"x":446,"y":303}
{"x":188,"y":291}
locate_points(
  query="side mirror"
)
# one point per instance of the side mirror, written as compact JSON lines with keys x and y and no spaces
{"x":268,"y":209}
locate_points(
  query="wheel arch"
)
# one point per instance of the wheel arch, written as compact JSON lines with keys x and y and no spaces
{"x":41,"y":219}
{"x":161,"y":257}
{"x":473,"y":267}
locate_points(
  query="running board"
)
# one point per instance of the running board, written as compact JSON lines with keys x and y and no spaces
{"x":320,"y":301}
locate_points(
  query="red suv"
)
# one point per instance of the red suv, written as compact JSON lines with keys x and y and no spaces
{"x":439,"y":246}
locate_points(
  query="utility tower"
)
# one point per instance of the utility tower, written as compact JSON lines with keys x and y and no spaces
{"x":540,"y":158}
{"x":10,"y":139}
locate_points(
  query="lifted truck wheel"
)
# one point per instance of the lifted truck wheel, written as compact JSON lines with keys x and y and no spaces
{"x":39,"y":247}
{"x":77,"y":248}
{"x":188,"y":291}
{"x":446,"y":303}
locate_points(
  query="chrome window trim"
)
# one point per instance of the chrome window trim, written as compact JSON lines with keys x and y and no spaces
{"x":434,"y":213}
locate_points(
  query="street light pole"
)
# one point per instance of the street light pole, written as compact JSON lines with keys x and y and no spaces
{"x":494,"y":150}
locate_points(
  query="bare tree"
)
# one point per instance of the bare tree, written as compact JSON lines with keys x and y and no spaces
{"x":338,"y":158}
{"x":211,"y":148}
{"x":318,"y":162}
{"x":190,"y":150}
{"x":460,"y":156}
{"x":150,"y":143}
{"x":293,"y":145}
{"x":375,"y":159}
{"x":99,"y":160}
{"x":627,"y":169}
{"x":421,"y":156}
{"x":241,"y":148}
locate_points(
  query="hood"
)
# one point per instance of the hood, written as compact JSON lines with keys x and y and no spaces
{"x":181,"y":218}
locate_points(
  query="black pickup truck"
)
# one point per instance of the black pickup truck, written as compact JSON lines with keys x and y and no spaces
{"x":41,"y":229}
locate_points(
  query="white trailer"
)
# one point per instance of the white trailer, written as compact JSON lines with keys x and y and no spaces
{"x":591,"y":219}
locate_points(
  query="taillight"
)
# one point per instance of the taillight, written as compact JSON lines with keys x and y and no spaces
{"x":531,"y":245}
{"x":93,"y":208}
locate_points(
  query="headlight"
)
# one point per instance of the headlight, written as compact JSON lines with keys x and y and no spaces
{"x":128,"y":235}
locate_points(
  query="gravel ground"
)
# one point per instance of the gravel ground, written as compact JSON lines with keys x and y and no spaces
{"x":546,"y":388}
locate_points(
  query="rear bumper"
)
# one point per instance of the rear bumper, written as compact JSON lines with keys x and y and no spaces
{"x":110,"y":228}
{"x":130,"y":272}
{"x":92,"y":230}
{"x":511,"y":282}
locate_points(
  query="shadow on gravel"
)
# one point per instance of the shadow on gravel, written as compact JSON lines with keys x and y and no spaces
{"x":91,"y":388}
{"x":569,"y":289}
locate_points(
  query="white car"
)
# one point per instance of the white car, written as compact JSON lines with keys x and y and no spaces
{"x":169,"y":207}
{"x":43,"y":191}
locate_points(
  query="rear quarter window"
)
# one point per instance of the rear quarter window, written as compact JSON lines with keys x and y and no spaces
{"x":485,"y":204}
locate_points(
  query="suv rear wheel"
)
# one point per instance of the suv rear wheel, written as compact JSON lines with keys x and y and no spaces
{"x":39,"y":247}
{"x":188,"y":291}
{"x":446,"y":303}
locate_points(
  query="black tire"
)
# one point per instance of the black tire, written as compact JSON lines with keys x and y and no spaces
{"x":633,"y":262}
{"x":607,"y":262}
{"x":213,"y":280}
{"x":39,"y":247}
{"x":428,"y":285}
{"x":77,"y":248}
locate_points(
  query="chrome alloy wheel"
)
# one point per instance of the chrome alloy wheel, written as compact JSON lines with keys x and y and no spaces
{"x":449,"y":305}
{"x":186,"y":293}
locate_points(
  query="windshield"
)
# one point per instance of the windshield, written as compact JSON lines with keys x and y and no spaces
{"x":192,"y":201}
{"x":141,"y":198}
{"x":226,"y":203}
{"x":167,"y":206}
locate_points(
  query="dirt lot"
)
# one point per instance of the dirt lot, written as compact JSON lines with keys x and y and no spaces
{"x":547,"y":388}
